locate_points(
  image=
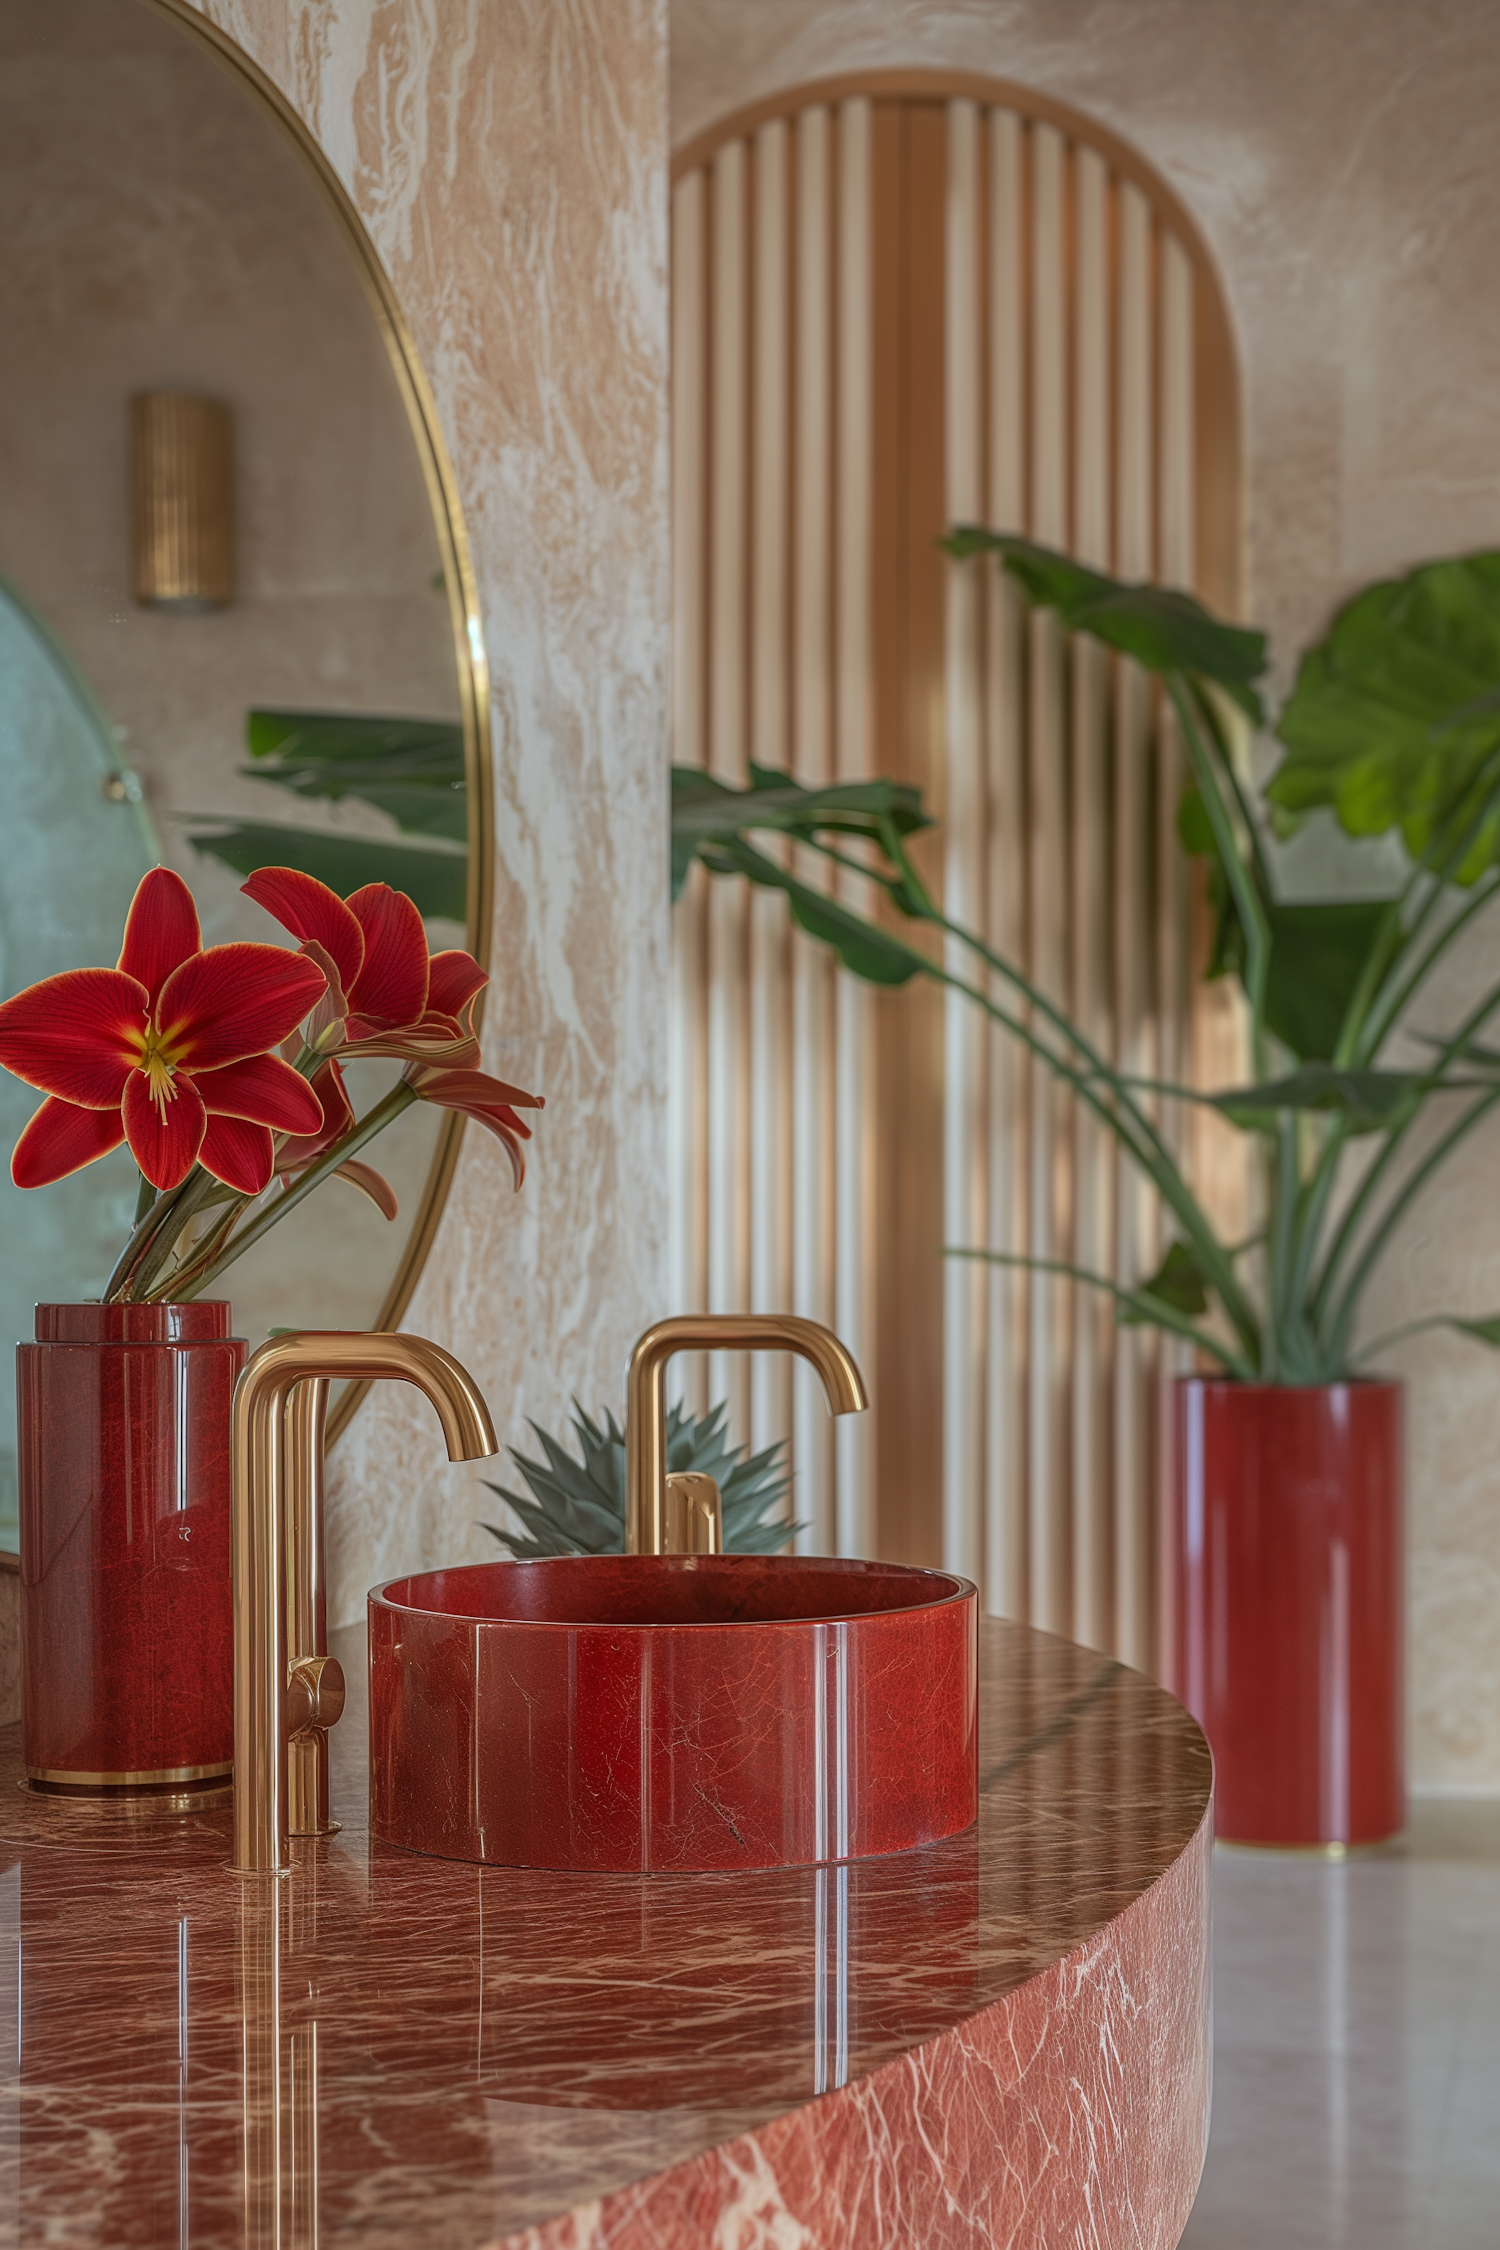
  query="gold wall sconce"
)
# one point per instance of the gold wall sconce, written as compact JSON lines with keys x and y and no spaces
{"x":182,"y":502}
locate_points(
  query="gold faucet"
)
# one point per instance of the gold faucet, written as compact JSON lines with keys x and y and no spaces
{"x":666,"y":1514}
{"x":277,"y":1539}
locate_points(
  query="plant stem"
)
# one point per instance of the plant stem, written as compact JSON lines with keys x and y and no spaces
{"x":1400,"y":1204}
{"x":400,"y":1097}
{"x":1150,"y":1310}
{"x":142,"y":1235}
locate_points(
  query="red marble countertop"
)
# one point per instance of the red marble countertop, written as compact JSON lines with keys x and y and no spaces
{"x":999,"y":2039}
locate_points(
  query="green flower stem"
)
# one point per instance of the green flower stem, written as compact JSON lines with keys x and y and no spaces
{"x":123,"y":1283}
{"x":400,"y":1097}
{"x":1149,"y":1309}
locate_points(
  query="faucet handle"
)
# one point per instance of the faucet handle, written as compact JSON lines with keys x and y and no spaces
{"x":694,"y":1514}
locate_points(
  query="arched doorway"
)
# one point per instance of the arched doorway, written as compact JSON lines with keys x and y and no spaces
{"x":901,"y":301}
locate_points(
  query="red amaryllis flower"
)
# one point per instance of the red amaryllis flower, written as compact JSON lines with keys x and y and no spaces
{"x":373,"y":948}
{"x":385,"y":995}
{"x":168,"y":1051}
{"x":489,"y":1101}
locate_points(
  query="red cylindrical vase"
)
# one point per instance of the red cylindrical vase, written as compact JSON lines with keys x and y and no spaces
{"x":1284,"y":1604}
{"x":127,"y":1628}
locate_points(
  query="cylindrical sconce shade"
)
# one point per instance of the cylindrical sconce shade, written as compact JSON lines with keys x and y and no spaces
{"x":182,"y":501}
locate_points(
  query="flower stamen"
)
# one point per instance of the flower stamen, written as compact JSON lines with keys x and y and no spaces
{"x":160,"y":1072}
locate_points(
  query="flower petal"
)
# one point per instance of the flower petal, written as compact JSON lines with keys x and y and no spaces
{"x":76,"y":1035}
{"x":338,"y":1116}
{"x":391,"y":988}
{"x":312,"y":912}
{"x":234,"y":1001}
{"x":374,"y":1184}
{"x":62,"y":1138}
{"x":466,"y":1089}
{"x":264,"y":1089}
{"x":431,"y":1039}
{"x":165,"y":1142}
{"x":238,"y":1153}
{"x":161,"y":930}
{"x":325,"y":1026}
{"x":452,"y":979}
{"x":488,"y":1101}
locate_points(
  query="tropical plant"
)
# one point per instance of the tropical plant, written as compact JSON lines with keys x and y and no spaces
{"x":1395,"y":722}
{"x":221,"y":1066}
{"x":577,"y":1506}
{"x":410,"y":769}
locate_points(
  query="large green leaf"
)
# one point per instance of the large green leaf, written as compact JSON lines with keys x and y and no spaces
{"x":1319,"y":947}
{"x":412,"y":769}
{"x":1396,"y":711}
{"x":1162,"y":629}
{"x":1370,"y":1101}
{"x":862,"y":946}
{"x":435,"y":877}
{"x":1179,"y":1283}
{"x":708,"y":812}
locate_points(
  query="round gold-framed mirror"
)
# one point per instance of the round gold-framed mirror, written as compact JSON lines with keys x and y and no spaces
{"x":231,"y":556}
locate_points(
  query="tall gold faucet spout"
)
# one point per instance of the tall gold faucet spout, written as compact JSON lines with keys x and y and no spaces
{"x":645,"y":1427}
{"x":274,"y":1476}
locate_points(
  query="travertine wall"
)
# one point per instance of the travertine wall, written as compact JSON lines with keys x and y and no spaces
{"x":509,"y":162}
{"x":1342,"y":160}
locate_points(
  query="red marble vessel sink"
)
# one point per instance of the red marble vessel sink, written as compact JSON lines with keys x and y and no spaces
{"x":653,"y":1712}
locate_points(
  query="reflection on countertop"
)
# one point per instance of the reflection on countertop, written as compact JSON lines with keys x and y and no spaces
{"x":1008,"y":2028}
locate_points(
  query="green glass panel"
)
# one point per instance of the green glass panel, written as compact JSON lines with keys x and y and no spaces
{"x":75,"y":846}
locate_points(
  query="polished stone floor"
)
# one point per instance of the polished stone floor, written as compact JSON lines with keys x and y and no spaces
{"x":1357,"y":2045}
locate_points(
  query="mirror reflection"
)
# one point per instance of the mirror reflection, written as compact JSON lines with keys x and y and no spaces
{"x":226,"y":635}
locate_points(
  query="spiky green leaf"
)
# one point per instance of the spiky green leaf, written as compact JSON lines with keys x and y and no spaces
{"x":576,"y":1504}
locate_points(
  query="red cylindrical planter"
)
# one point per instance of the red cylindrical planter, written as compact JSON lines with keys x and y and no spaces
{"x":1284,"y":1622}
{"x":127,"y":1629}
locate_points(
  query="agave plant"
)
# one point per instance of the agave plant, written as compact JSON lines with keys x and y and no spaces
{"x":577,"y":1506}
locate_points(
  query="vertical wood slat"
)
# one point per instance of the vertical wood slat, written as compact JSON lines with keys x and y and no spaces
{"x":770,"y":1058}
{"x":1051,"y":1297}
{"x":812,"y":735}
{"x":728,"y":908}
{"x":1092,"y":1617}
{"x":1136,"y":1224}
{"x":964,"y":1039}
{"x":687,"y":1105}
{"x":853,"y":1158}
{"x":1067,"y":350}
{"x":1006,"y":1544}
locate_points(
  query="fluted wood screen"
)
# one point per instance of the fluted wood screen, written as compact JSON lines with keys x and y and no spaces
{"x":899,"y":304}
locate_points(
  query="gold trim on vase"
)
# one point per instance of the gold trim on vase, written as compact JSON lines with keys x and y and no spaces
{"x":157,"y":1778}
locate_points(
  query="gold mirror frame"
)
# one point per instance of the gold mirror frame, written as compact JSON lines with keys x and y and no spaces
{"x":463,"y":609}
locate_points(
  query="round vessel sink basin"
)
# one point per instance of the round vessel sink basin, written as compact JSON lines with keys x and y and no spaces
{"x":650,"y":1712}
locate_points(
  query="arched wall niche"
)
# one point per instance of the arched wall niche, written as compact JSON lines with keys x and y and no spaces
{"x":903,"y":299}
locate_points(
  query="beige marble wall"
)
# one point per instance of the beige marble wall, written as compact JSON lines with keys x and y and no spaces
{"x":1342,"y":159}
{"x":508,"y":161}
